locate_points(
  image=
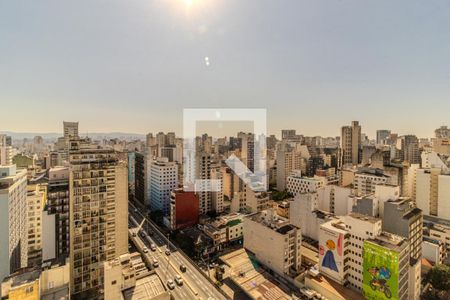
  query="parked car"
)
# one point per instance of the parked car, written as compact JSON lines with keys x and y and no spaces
{"x":183,"y":268}
{"x":155,"y":263}
{"x":152,"y":247}
{"x":145,"y":249}
{"x":167,"y":252}
{"x":179,"y":280}
{"x":170,"y":284}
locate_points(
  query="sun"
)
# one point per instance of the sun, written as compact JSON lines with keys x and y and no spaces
{"x":188,"y":2}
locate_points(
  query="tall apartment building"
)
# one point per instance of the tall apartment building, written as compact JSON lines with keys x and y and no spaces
{"x":98,"y":215}
{"x":403,"y":218}
{"x":35,"y":220}
{"x":5,"y":150}
{"x":289,"y":158}
{"x":360,"y":228}
{"x":217,"y":196}
{"x":248,"y":149}
{"x":386,"y":257}
{"x":203,"y":172}
{"x":13,"y":212}
{"x":266,"y":228}
{"x":382,"y":136}
{"x":284,"y":157}
{"x":432,"y":192}
{"x":140,"y":184}
{"x":351,"y":144}
{"x":58,"y":205}
{"x":408,"y":149}
{"x":162,"y":180}
{"x":287,"y":134}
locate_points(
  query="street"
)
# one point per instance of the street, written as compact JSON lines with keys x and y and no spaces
{"x":195,"y":285}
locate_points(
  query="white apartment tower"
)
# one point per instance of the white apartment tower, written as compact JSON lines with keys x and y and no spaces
{"x":163,"y":179}
{"x":13,"y":212}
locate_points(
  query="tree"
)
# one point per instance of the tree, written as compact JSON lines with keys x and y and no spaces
{"x":439,"y":277}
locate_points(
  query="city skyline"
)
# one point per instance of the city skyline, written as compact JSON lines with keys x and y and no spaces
{"x":146,"y":61}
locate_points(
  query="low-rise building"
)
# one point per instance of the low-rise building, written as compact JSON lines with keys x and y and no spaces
{"x":184,"y":209}
{"x":266,"y":228}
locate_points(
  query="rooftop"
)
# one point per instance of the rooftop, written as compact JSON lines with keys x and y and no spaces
{"x":390,"y":241}
{"x":247,"y":274}
{"x":146,"y":288}
{"x":366,"y":218}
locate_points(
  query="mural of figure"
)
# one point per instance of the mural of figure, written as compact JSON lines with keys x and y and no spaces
{"x":328,"y":259}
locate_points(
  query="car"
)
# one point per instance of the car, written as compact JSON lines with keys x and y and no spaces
{"x":152,"y":247}
{"x":179,"y":280}
{"x":183,"y":268}
{"x":155,"y":263}
{"x":144,"y":249}
{"x":142,"y":234}
{"x":133,"y":234}
{"x":167,"y":252}
{"x":170,"y":284}
{"x":129,"y":246}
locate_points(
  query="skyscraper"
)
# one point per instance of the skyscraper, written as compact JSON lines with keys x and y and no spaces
{"x":58,"y":205}
{"x":162,"y":180}
{"x":408,"y":146}
{"x":13,"y":214}
{"x":70,"y":130}
{"x":98,"y":214}
{"x":5,"y":150}
{"x":382,"y":135}
{"x":351,"y":144}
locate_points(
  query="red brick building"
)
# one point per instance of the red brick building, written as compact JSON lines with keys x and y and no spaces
{"x":184,"y":209}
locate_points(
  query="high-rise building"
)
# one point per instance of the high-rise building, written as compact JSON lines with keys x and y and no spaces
{"x":351,"y":144}
{"x":287,"y":134}
{"x":58,"y":205}
{"x":403,"y":218}
{"x":5,"y":150}
{"x":386,"y":263}
{"x":140,"y":186}
{"x":70,"y":130}
{"x":382,"y":136}
{"x":13,"y":218}
{"x":35,"y":206}
{"x":432,"y":192}
{"x":217,"y":196}
{"x":408,"y":149}
{"x":98,"y":190}
{"x":203,"y":173}
{"x":247,"y":152}
{"x":289,"y":159}
{"x":162,"y":180}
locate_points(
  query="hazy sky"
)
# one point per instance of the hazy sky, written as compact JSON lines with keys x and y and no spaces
{"x":133,"y":65}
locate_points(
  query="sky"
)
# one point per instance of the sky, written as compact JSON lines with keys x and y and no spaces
{"x":134,"y":65}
